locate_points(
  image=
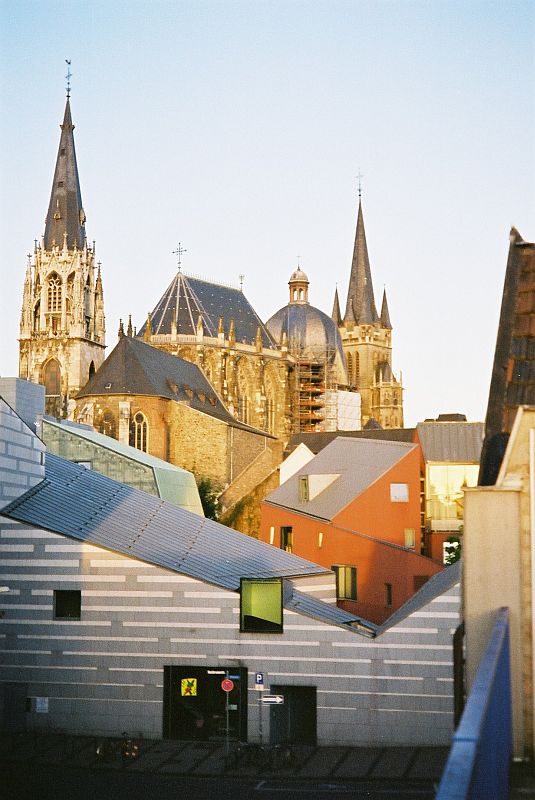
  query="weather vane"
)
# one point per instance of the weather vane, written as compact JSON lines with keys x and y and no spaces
{"x":359,"y":178}
{"x":68,"y":77}
{"x":178,"y":252}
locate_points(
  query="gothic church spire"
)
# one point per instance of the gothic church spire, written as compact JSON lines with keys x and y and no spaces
{"x":360,"y":293}
{"x":65,"y":220}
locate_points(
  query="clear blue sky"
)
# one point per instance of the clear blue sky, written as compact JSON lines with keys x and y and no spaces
{"x":237,"y":128}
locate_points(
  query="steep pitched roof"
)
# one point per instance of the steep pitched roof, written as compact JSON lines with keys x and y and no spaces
{"x":136,"y":368}
{"x":354,"y":464}
{"x":336,"y":315}
{"x":513,"y":372}
{"x":187,"y":298}
{"x":65,"y":212}
{"x":454,"y":442}
{"x":360,"y":299}
{"x":385,"y":314}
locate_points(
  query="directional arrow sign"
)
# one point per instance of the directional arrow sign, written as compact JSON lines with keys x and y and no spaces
{"x":273,"y":699}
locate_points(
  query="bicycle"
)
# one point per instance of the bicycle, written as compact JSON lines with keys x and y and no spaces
{"x":108,"y":749}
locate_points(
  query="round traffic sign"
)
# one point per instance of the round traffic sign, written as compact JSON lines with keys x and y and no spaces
{"x":227,"y":685}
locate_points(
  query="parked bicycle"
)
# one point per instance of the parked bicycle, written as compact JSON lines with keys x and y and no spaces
{"x":262,"y":757}
{"x":127,"y":748}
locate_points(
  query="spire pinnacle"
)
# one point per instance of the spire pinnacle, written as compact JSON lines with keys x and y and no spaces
{"x":360,"y":291}
{"x":68,"y":77}
{"x":178,"y":252}
{"x":65,"y":211}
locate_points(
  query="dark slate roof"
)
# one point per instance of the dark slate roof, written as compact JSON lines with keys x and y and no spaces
{"x":360,"y":299}
{"x":65,"y":211}
{"x":317,"y":441}
{"x":454,"y":442}
{"x":385,"y":314}
{"x":513,"y":372}
{"x":439,"y":584}
{"x":87,"y":506}
{"x":353,"y":465}
{"x":186,"y":298}
{"x":136,"y":368}
{"x":310,"y":332}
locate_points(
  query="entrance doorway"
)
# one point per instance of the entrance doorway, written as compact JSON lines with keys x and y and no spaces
{"x":195,"y":706}
{"x":293,"y":722}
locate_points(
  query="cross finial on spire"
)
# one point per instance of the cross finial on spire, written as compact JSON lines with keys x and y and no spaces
{"x":178,"y":252}
{"x":242,"y":278}
{"x":68,"y":77}
{"x":359,"y":178}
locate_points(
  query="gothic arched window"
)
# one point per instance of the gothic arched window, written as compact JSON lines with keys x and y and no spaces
{"x":52,"y":382}
{"x":107,"y":425}
{"x":139,"y":432}
{"x":53,"y":294}
{"x":357,"y":370}
{"x":91,"y":369}
{"x":350,"y":368}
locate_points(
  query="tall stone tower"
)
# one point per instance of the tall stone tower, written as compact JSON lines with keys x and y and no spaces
{"x":367,"y":341}
{"x":62,"y":330}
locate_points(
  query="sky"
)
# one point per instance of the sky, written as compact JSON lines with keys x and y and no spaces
{"x":238,"y":128}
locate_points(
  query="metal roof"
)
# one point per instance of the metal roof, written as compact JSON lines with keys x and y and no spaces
{"x":173,"y":483}
{"x":313,"y":607}
{"x":452,"y":442}
{"x":357,"y":462}
{"x":87,"y":506}
{"x":434,"y":587}
{"x":186,"y":298}
{"x":317,"y":441}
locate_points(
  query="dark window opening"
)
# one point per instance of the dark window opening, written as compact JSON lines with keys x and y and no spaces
{"x":388,"y":594}
{"x":67,"y":603}
{"x":261,"y":606}
{"x":287,"y":539}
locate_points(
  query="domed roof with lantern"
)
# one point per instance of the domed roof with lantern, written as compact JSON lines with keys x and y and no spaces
{"x":308,"y":331}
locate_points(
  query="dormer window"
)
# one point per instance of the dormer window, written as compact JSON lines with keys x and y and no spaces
{"x":303,"y":489}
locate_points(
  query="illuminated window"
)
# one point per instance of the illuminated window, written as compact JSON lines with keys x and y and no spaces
{"x":410,"y":537}
{"x":139,"y":432}
{"x":346,"y":582}
{"x":445,"y":489}
{"x":261,"y":606}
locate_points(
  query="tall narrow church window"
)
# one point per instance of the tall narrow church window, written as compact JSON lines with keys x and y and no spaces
{"x":243,"y":409}
{"x":91,"y":369}
{"x":106,"y":425}
{"x":139,"y":432}
{"x":52,"y":382}
{"x":357,"y":370}
{"x":270,"y":415}
{"x":37,"y":317}
{"x":350,"y":368}
{"x":54,"y":294}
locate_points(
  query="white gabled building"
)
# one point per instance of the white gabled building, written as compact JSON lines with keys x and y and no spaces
{"x":125,"y":612}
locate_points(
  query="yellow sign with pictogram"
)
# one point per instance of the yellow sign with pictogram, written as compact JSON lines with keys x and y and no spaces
{"x":188,"y":687}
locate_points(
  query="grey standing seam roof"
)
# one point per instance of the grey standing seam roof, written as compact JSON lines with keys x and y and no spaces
{"x":90,"y":507}
{"x":455,"y":442}
{"x":358,"y":462}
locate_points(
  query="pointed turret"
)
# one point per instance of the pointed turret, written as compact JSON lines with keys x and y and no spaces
{"x":385,"y":314}
{"x":65,"y":220}
{"x":336,"y":315}
{"x":360,"y":292}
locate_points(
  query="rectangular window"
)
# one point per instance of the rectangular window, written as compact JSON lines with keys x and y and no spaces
{"x":346,"y":582}
{"x":388,"y":595}
{"x":303,"y":488}
{"x":67,"y":603}
{"x":410,"y":537}
{"x":261,"y":606}
{"x":287,"y":539}
{"x":399,"y":492}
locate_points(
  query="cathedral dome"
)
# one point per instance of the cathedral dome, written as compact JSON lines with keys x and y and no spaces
{"x":309,"y":332}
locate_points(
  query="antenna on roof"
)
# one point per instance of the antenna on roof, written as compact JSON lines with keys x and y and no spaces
{"x":68,"y":77}
{"x":178,"y":252}
{"x":359,"y":178}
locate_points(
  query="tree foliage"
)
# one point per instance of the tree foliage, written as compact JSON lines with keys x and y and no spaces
{"x":209,"y":494}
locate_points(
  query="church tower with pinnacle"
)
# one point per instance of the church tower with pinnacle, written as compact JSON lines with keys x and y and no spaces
{"x":367,"y":341}
{"x":62,"y":331}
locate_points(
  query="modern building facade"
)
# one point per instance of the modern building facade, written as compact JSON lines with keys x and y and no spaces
{"x":355,"y":508}
{"x":126,"y":613}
